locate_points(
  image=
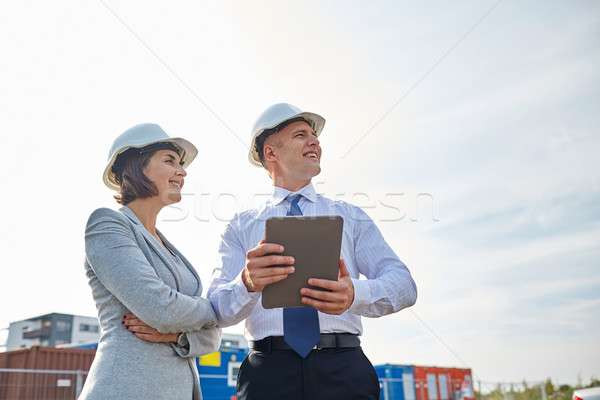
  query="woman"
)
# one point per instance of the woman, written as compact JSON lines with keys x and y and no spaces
{"x":154,"y":322}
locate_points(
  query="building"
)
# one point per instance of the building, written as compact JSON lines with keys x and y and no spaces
{"x":52,"y":330}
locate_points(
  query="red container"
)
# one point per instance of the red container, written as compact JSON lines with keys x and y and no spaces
{"x":425,"y":385}
{"x":43,"y":372}
{"x":444,"y":383}
{"x":462,"y":384}
{"x":440,"y":383}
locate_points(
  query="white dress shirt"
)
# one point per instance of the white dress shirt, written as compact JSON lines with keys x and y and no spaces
{"x":388,"y":286}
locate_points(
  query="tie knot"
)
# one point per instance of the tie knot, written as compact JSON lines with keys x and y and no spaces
{"x":293,"y":199}
{"x":294,"y":207}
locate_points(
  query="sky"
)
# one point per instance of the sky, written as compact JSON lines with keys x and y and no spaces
{"x":464,"y":129}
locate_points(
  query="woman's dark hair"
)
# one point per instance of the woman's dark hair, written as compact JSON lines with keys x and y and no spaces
{"x":129,"y":174}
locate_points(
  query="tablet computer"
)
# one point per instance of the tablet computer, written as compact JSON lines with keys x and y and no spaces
{"x":315,"y":243}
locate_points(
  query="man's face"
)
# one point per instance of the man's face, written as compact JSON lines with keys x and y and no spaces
{"x":297,"y":153}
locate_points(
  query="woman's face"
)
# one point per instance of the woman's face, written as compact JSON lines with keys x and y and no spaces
{"x":165,"y":171}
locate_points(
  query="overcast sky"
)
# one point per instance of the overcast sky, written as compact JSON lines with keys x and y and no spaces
{"x":465,"y":129}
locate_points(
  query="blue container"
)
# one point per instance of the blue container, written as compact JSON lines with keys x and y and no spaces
{"x":397,"y":382}
{"x":218,"y":372}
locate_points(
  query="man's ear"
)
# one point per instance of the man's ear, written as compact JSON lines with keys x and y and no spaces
{"x":269,"y":153}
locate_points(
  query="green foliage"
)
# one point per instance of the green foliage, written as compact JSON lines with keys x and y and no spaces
{"x":549,"y":387}
{"x":524,"y":391}
{"x":594,"y":382}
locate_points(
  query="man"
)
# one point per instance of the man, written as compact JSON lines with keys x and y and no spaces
{"x":284,"y":363}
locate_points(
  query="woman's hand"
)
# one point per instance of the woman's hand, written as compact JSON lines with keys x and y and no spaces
{"x":145,"y":332}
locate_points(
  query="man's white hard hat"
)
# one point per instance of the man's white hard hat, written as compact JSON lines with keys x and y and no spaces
{"x":138,"y":137}
{"x":275,"y":115}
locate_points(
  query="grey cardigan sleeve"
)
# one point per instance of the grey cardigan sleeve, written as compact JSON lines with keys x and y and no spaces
{"x":200,"y":343}
{"x":117,"y":260}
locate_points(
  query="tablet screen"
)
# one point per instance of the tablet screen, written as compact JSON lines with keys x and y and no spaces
{"x":315,"y":243}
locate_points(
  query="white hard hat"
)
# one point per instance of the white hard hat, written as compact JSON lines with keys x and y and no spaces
{"x":138,"y":137}
{"x":275,"y":115}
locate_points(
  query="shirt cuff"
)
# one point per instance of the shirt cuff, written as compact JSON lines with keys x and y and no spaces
{"x":243,"y":296}
{"x":362,"y":296}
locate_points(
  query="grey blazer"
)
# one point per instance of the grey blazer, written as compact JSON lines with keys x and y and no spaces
{"x":130,"y":272}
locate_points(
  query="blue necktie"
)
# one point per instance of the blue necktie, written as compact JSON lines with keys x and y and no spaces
{"x":301,"y":324}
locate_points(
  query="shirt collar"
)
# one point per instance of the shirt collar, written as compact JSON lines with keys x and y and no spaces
{"x":308,"y":192}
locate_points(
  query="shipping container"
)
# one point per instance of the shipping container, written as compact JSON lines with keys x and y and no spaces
{"x":426,"y":383}
{"x":462,"y":384}
{"x":43,"y":373}
{"x":218,"y":372}
{"x":443,"y":380}
{"x":396,"y":382}
{"x":440,"y":383}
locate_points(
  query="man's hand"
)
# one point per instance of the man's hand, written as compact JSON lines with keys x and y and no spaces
{"x":259,"y":272}
{"x":335,"y":302}
{"x":143,"y":331}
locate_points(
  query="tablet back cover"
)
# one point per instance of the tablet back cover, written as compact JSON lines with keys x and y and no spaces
{"x":315,"y":243}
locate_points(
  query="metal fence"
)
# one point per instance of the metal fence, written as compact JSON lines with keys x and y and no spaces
{"x":44,"y":384}
{"x":40,"y":384}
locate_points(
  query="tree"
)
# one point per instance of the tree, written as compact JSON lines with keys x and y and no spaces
{"x":549,"y":387}
{"x":594,"y":382}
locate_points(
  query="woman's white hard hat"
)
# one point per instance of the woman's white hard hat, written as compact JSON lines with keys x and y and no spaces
{"x":275,"y":115}
{"x":138,"y":137}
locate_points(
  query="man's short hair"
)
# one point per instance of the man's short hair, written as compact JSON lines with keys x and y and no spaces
{"x":259,"y":142}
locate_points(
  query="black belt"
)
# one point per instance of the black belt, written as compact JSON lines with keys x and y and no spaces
{"x":327,"y":341}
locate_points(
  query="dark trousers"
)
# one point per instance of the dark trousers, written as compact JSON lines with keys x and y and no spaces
{"x":326,"y":374}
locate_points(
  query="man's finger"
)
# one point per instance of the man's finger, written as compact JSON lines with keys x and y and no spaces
{"x":267,"y":261}
{"x":272,"y":279}
{"x":263,"y":249}
{"x":343,"y":270}
{"x":322,"y":283}
{"x":274,"y":271}
{"x":321,"y":295}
